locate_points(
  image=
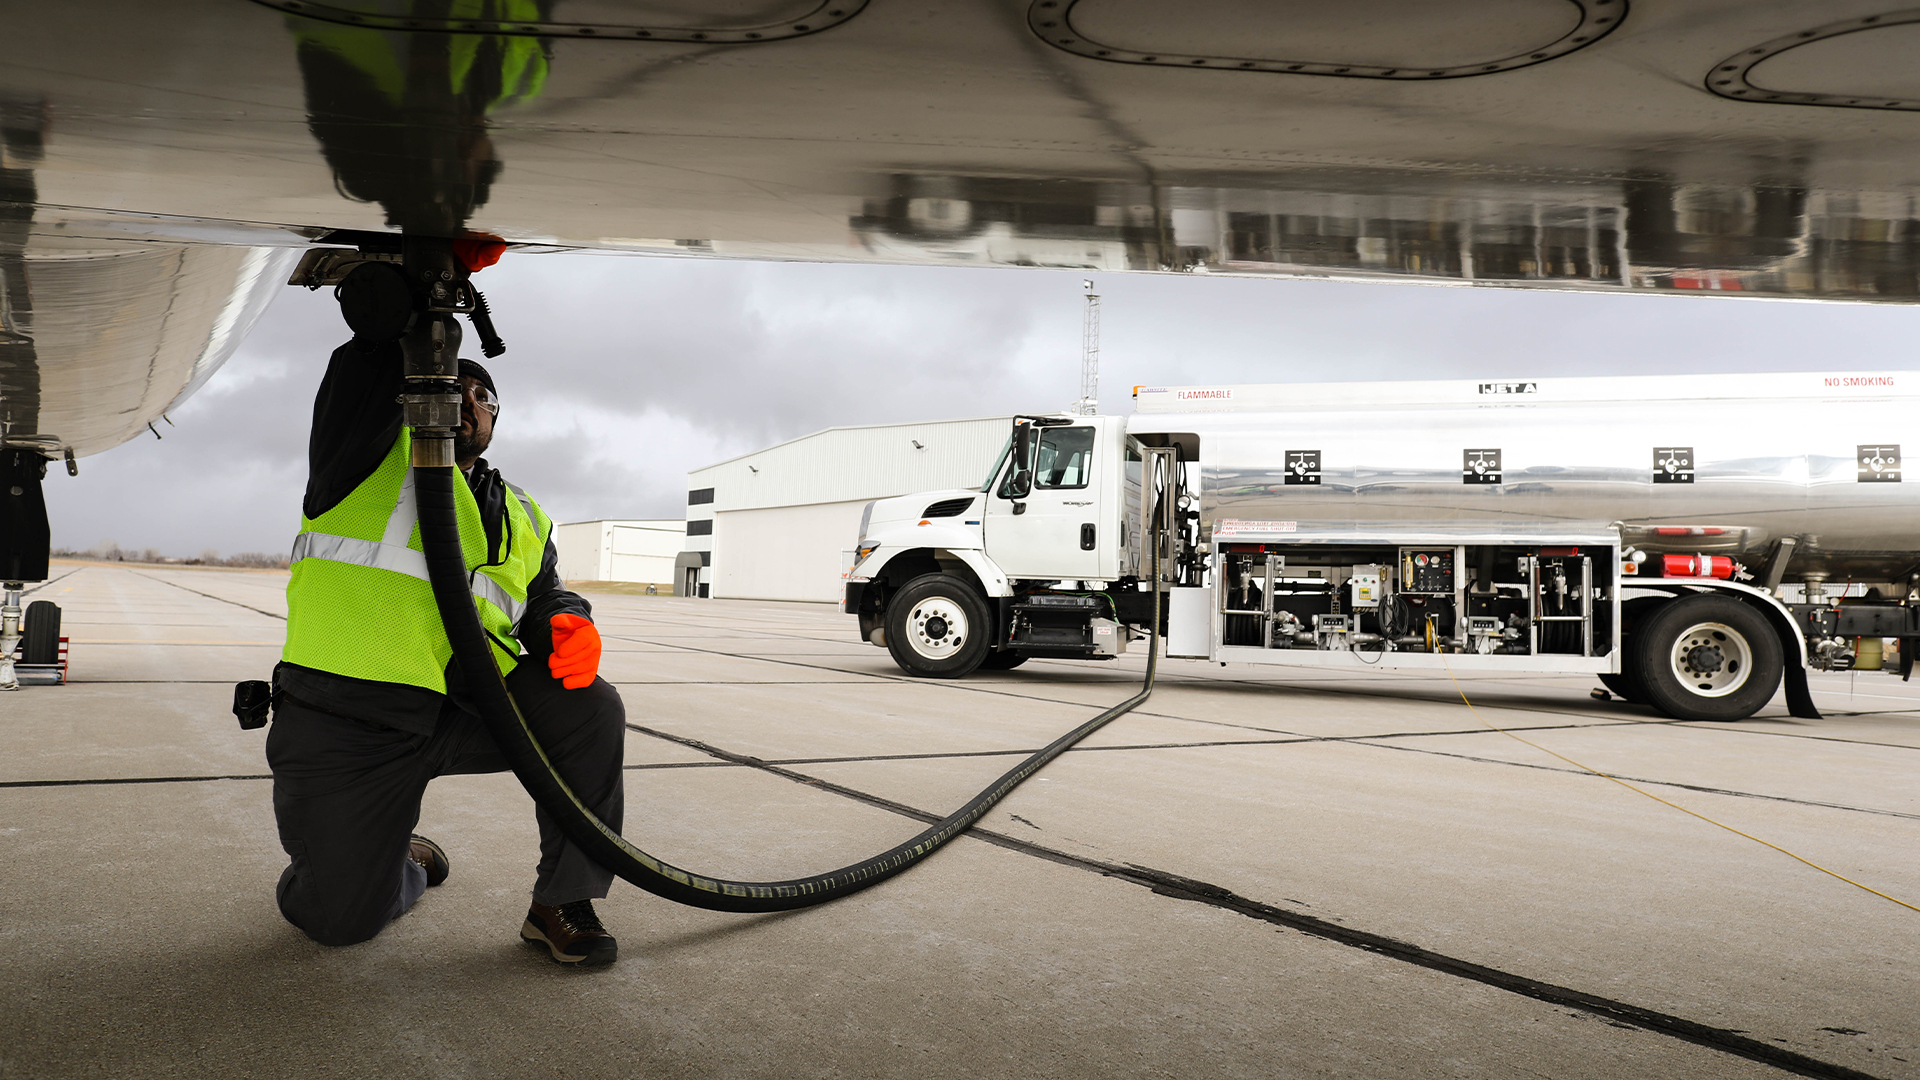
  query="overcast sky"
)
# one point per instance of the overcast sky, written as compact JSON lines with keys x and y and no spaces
{"x":623,"y":373}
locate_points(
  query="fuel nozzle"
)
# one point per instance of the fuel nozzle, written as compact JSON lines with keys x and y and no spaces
{"x":430,"y":347}
{"x":431,"y":404}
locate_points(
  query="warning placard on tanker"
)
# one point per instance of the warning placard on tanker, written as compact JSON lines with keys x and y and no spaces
{"x":1230,"y":527}
{"x":1880,"y":464}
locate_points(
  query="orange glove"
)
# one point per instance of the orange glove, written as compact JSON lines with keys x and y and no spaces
{"x":576,"y":651}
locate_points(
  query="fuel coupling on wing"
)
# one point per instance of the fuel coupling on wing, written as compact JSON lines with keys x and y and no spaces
{"x":386,"y":283}
{"x":410,"y":289}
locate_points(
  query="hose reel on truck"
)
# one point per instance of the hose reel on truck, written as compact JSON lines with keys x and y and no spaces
{"x":430,"y":345}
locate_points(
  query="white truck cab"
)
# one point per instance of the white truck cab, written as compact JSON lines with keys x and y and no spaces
{"x":937,"y":573}
{"x":1056,"y":519}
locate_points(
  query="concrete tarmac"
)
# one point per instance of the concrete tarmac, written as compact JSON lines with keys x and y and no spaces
{"x":1259,"y":873}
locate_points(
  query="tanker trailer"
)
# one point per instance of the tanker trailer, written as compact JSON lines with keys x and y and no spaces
{"x":1691,"y":541}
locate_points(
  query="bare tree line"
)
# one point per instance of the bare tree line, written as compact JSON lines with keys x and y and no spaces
{"x":109,"y":551}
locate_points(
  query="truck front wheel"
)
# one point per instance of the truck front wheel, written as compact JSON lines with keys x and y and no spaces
{"x":1708,"y":658}
{"x":938,"y":627}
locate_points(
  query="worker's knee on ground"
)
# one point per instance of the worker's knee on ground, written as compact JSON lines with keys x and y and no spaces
{"x":337,"y":932}
{"x":331,"y":927}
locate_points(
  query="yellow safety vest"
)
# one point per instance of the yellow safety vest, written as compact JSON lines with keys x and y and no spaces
{"x":359,"y":603}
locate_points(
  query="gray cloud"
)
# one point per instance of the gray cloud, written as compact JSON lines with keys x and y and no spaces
{"x":765,"y":351}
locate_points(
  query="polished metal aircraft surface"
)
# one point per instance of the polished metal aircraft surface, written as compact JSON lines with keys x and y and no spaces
{"x":154,"y":151}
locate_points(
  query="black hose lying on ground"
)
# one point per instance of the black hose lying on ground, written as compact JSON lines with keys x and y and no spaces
{"x":447,"y":570}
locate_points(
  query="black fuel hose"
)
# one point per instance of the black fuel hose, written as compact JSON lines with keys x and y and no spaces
{"x":472,"y":651}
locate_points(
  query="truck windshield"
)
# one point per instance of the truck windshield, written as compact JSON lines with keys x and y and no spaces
{"x":1005,"y":449}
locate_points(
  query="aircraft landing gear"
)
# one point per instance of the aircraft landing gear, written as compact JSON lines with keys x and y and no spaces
{"x":25,"y":543}
{"x":9,"y":634}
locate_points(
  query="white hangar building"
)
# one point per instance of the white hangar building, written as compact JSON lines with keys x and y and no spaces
{"x":642,"y":552}
{"x":780,"y":523}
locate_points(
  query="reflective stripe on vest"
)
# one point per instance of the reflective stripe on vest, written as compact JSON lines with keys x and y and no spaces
{"x":384,"y":555}
{"x":526,"y":501}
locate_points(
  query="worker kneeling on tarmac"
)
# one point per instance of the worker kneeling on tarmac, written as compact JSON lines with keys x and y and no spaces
{"x":368,"y":705}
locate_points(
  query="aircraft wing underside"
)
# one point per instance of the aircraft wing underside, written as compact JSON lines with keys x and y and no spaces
{"x":162,"y":161}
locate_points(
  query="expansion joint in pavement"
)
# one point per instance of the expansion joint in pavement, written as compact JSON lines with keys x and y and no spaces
{"x":1178,"y":887}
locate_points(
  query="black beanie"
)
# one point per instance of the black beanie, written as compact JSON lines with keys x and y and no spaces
{"x":471,"y":369}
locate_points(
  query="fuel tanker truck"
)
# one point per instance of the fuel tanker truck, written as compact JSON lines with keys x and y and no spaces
{"x":1691,"y":541}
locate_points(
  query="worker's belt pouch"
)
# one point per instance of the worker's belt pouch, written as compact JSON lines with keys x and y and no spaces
{"x":251,"y":701}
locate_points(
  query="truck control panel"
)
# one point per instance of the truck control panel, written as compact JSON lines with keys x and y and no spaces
{"x":1506,"y":598}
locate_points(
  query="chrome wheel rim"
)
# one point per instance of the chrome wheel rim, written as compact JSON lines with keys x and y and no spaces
{"x":937,"y":628}
{"x":1711,"y":659}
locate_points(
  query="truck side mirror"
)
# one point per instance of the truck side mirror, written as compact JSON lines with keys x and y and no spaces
{"x":1019,"y":483}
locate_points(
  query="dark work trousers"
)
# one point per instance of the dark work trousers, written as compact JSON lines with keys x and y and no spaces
{"x":346,"y":795}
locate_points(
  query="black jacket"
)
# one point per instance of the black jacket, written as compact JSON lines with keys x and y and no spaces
{"x":356,"y":417}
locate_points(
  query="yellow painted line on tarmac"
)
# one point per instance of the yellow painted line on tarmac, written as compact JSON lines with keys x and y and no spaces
{"x":1665,"y":802}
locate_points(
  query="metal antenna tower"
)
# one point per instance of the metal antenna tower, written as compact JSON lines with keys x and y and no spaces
{"x":1089,"y":402}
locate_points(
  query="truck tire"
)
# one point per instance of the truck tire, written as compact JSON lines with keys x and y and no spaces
{"x":938,"y":627}
{"x":1708,"y":658}
{"x":40,"y":633}
{"x":1004,"y":660}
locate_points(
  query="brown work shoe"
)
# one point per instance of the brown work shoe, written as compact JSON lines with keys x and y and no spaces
{"x":572,"y":932}
{"x":431,"y":859}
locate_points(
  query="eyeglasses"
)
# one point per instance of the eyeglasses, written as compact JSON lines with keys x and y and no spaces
{"x":482,"y":397}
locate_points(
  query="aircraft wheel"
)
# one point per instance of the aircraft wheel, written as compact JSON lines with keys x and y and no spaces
{"x":40,"y":633}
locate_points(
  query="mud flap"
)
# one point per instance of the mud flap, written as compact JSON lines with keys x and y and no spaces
{"x":1799,"y":699}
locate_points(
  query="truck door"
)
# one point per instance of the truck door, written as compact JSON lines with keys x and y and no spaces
{"x":1044,"y":519}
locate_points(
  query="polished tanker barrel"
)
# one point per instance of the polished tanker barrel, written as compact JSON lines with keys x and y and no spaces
{"x":1720,"y":465}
